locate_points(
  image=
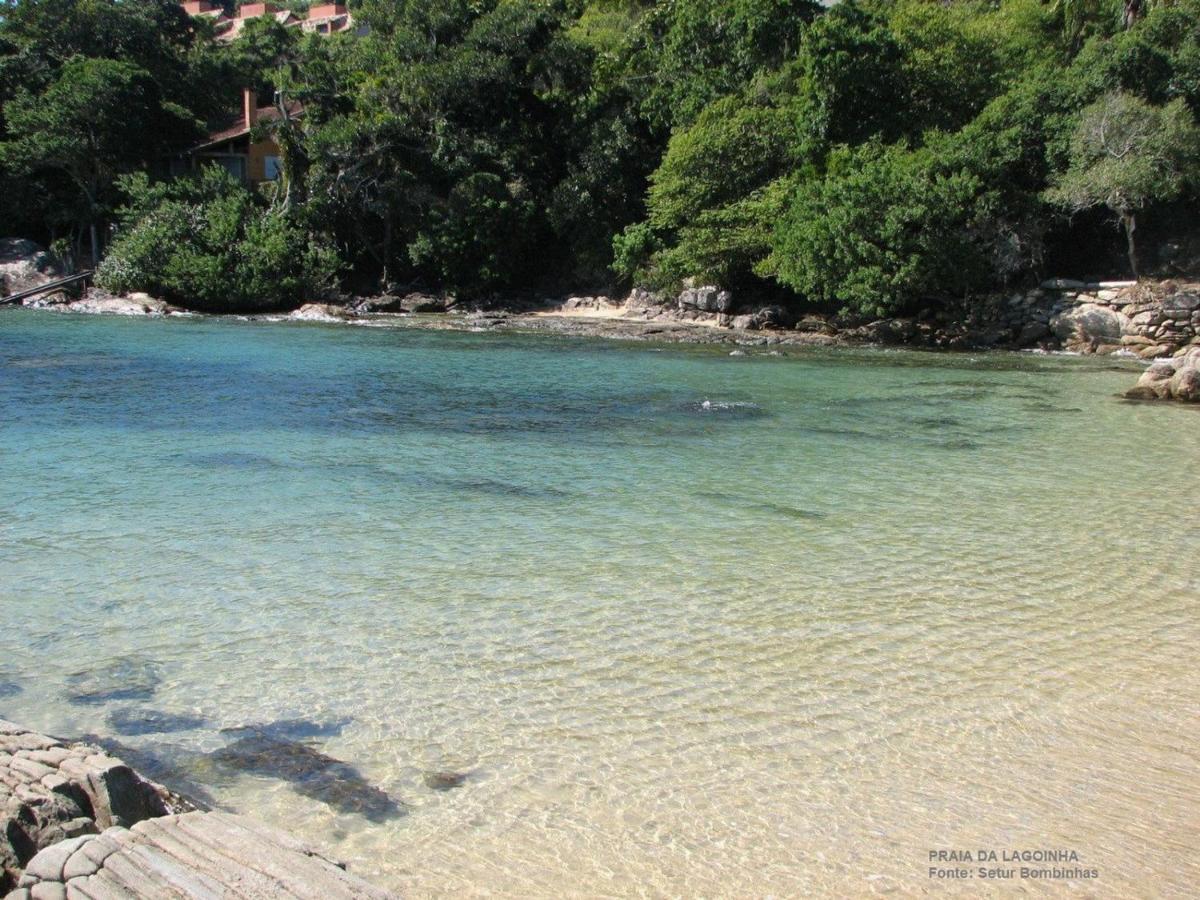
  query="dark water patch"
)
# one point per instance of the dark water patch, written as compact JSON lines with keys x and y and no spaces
{"x":854,"y":433}
{"x":311,"y":773}
{"x":128,"y":678}
{"x":778,"y":509}
{"x":292,"y":729}
{"x":1051,"y":408}
{"x":937,"y":422}
{"x":494,"y":488}
{"x":133,"y":722}
{"x":444,"y":780}
{"x":956,"y":444}
{"x":229,"y":459}
{"x":9,"y":688}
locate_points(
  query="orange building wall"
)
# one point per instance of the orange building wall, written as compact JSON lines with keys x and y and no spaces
{"x":256,"y":162}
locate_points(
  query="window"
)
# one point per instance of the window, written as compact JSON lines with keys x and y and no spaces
{"x":272,"y":168}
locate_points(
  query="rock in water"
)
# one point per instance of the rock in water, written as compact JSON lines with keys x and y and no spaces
{"x":127,"y":678}
{"x":9,"y":688}
{"x":293,"y":729}
{"x":311,"y":773}
{"x":1170,"y":379}
{"x":444,"y":781}
{"x":132,"y":722}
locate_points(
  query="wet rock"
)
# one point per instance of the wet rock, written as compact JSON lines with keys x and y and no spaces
{"x":311,"y":773}
{"x":175,"y":769}
{"x":128,"y":678}
{"x":132,"y":722}
{"x":443,"y":780}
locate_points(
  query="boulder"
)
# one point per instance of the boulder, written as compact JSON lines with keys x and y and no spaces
{"x":25,"y":265}
{"x":1088,"y":325}
{"x":706,"y":299}
{"x":644,"y":302}
{"x":1170,"y":379}
{"x":97,"y":302}
{"x":320,"y":312}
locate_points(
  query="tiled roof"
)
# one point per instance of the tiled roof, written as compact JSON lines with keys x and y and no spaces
{"x":239,"y":128}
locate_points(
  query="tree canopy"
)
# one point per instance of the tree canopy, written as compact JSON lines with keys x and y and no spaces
{"x":874,"y":155}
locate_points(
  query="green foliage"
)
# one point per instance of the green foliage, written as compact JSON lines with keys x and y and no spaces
{"x":885,"y":228}
{"x":1127,"y":155}
{"x":872,"y":154}
{"x":211,"y":244}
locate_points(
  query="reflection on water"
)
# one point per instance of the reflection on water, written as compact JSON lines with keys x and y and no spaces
{"x":547,"y":618}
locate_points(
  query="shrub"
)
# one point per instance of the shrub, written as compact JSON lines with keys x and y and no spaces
{"x":209,"y":243}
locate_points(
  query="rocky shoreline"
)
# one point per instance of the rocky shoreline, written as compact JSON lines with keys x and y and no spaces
{"x":1149,"y":321}
{"x":77,"y":822}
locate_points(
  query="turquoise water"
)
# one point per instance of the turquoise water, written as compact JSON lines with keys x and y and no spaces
{"x":689,"y":624}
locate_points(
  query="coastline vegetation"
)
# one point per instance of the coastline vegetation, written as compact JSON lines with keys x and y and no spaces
{"x":873,"y":155}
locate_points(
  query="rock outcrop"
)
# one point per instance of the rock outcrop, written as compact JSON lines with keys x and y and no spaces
{"x":193,"y":855}
{"x":25,"y":265}
{"x":320,"y":312}
{"x":137,"y":304}
{"x":52,"y":790}
{"x":1170,"y":379}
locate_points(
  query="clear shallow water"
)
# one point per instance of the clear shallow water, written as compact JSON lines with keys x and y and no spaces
{"x":859,"y":606}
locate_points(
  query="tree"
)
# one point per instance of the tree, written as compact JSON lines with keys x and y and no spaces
{"x":1127,"y":155}
{"x":98,"y":118}
{"x":886,"y":227}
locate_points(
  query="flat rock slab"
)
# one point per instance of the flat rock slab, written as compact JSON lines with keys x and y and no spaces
{"x":53,"y":790}
{"x":192,"y":855}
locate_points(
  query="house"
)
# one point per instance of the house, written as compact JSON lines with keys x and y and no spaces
{"x":322,"y":18}
{"x":231,"y":147}
{"x":328,"y":18}
{"x":248,"y":11}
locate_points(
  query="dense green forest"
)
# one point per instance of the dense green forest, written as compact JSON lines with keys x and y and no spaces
{"x":869,"y":155}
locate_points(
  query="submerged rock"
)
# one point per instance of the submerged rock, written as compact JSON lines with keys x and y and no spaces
{"x":9,"y":688}
{"x":133,"y":722}
{"x":293,"y":729}
{"x":444,"y":781}
{"x":128,"y":678}
{"x":311,"y":773}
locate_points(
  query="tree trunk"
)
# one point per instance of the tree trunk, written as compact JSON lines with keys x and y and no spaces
{"x":1130,"y":223}
{"x":1132,"y":12}
{"x":95,"y":245}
